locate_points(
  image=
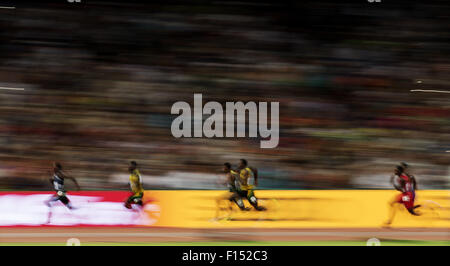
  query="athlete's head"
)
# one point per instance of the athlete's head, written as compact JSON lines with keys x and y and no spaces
{"x":404,"y":165}
{"x":57,"y":166}
{"x":242,"y":163}
{"x":132,"y":167}
{"x":226,"y":167}
{"x":399,"y":170}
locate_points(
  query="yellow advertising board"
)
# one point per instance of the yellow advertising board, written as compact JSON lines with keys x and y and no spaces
{"x":297,"y":209}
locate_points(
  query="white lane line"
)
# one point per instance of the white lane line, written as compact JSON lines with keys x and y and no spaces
{"x":7,"y":7}
{"x":199,"y":234}
{"x":13,"y":89}
{"x":436,"y":91}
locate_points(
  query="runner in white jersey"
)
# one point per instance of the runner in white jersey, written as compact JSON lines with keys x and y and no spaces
{"x":57,"y":180}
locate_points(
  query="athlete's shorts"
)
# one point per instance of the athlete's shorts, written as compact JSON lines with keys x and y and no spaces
{"x":407,"y":199}
{"x":249,"y":194}
{"x":136,"y":197}
{"x":61,"y":196}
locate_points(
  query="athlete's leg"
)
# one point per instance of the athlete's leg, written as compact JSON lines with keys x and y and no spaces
{"x":138,"y":199}
{"x":128,"y":201}
{"x":408,"y":200}
{"x":65,"y":200}
{"x":219,"y":200}
{"x":51,"y":200}
{"x":254,"y":201}
{"x":224,"y":198}
{"x":391,"y":216}
{"x":237,"y":198}
{"x":412,"y":210}
{"x":134,"y":199}
{"x":392,"y":209}
{"x":49,"y":203}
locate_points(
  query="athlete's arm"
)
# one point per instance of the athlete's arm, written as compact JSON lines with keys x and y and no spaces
{"x":243,"y":176}
{"x":51,"y":178}
{"x":71,"y":178}
{"x":399,"y":188}
{"x":224,"y":182}
{"x":255,"y":175}
{"x":232,"y":177}
{"x":402,"y":185}
{"x":413,"y":179}
{"x":234,"y":173}
{"x":76,"y":183}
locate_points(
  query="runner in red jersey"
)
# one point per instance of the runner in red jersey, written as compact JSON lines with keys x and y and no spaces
{"x":407,"y":185}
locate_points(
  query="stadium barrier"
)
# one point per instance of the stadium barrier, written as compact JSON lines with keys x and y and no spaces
{"x":299,"y":209}
{"x":91,"y":208}
{"x":199,"y":208}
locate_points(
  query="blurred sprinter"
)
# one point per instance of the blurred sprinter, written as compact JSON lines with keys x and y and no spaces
{"x":406,"y":184}
{"x":230,"y":181}
{"x":57,"y":180}
{"x":135,"y":185}
{"x":244,"y":188}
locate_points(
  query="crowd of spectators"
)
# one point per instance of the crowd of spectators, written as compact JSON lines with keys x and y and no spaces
{"x":92,"y":86}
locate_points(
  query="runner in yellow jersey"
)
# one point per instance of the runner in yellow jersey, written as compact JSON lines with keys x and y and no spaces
{"x":244,"y":188}
{"x":136,"y":186}
{"x":231,"y":195}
